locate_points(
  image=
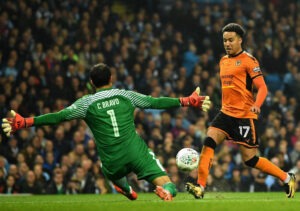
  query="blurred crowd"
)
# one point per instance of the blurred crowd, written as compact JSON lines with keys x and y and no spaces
{"x":158,"y":48}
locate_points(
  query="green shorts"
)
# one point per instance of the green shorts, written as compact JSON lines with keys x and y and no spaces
{"x":142,"y":162}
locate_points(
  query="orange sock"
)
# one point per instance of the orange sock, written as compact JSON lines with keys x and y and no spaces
{"x":204,"y":165}
{"x":268,"y":167}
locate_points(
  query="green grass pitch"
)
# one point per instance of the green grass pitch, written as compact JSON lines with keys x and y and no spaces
{"x":150,"y":202}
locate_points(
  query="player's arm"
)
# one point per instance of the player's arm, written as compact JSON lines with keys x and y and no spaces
{"x":52,"y":118}
{"x":17,"y":122}
{"x":194,"y":100}
{"x":258,"y":80}
{"x":262,"y":92}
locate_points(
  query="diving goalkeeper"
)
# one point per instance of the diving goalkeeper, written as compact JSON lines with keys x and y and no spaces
{"x":109,"y":115}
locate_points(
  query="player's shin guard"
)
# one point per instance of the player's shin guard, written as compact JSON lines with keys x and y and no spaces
{"x":205,"y":162}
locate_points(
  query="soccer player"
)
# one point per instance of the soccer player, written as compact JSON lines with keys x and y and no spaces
{"x":109,"y":115}
{"x":237,"y":119}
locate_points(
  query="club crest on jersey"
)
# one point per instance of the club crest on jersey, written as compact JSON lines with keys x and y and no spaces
{"x":238,"y":63}
{"x":256,"y":69}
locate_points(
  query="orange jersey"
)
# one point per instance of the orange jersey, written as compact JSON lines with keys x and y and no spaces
{"x":237,"y":74}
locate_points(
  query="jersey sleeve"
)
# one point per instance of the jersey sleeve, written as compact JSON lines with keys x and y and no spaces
{"x":254,"y":68}
{"x":75,"y":111}
{"x":145,"y":101}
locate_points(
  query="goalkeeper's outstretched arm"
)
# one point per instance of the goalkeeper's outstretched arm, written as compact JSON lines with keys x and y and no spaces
{"x":194,"y":100}
{"x":16,"y":121}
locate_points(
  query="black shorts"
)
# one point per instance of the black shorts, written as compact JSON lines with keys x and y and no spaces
{"x":238,"y":130}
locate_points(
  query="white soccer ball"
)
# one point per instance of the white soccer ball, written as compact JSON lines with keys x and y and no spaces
{"x":187,"y":159}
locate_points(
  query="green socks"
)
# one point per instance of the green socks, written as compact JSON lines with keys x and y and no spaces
{"x":171,"y":188}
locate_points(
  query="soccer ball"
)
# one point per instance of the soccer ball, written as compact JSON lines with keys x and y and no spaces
{"x":187,"y":159}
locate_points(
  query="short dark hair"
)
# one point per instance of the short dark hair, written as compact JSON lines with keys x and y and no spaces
{"x":234,"y":27}
{"x":100,"y":74}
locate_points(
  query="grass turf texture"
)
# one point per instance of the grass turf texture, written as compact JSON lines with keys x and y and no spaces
{"x":150,"y":202}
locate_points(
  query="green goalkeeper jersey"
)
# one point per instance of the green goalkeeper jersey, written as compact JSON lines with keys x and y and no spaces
{"x":109,"y":115}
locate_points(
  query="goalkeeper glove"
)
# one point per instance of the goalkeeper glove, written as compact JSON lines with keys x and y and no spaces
{"x":195,"y":100}
{"x":16,"y":122}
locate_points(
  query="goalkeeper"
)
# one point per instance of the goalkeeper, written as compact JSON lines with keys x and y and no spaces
{"x":109,"y":115}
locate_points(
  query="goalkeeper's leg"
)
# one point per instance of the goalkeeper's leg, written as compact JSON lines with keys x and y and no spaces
{"x":165,"y":189}
{"x":124,"y":188}
{"x":151,"y":170}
